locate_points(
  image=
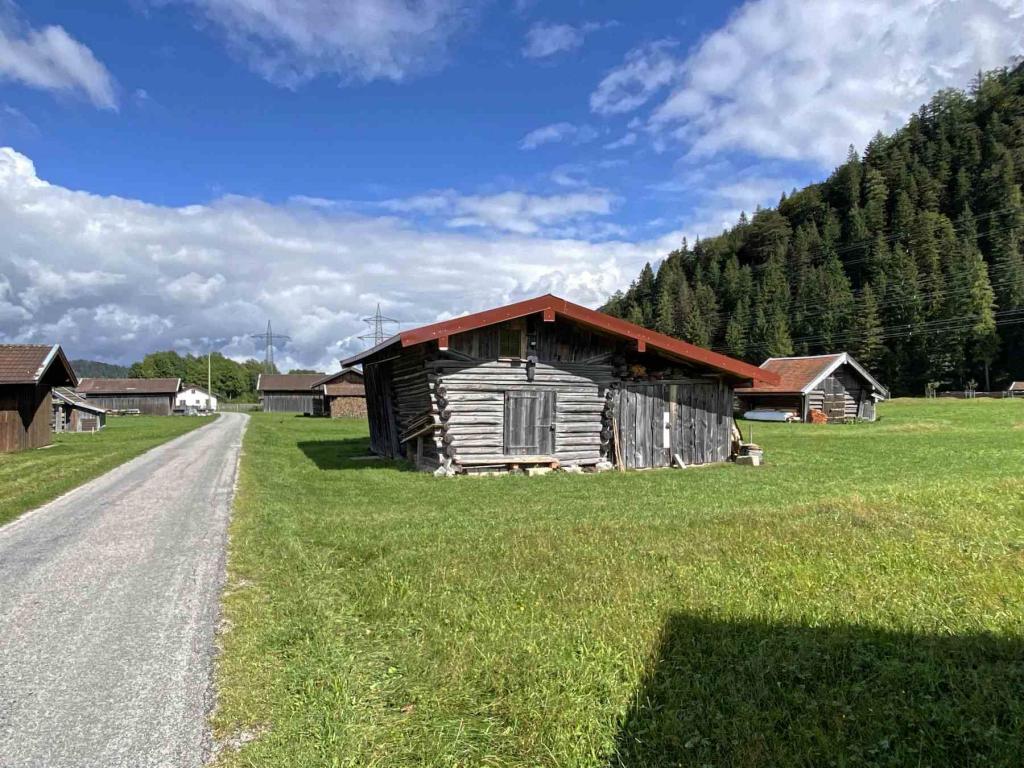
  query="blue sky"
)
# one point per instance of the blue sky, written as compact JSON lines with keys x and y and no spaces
{"x":178,"y":171}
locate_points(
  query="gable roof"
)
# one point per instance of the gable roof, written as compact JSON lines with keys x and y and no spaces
{"x":197,"y":388}
{"x":1016,"y":386}
{"x":552,"y":307}
{"x":333,"y":378}
{"x":800,"y":375}
{"x":128,"y":386}
{"x":72,"y":398}
{"x":30,"y":363}
{"x":287,"y":382}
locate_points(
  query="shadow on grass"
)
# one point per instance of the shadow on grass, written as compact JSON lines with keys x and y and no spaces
{"x":351,"y":453}
{"x":722,"y":693}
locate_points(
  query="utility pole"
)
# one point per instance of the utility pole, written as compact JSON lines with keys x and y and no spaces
{"x":376,"y":323}
{"x":209,"y":381}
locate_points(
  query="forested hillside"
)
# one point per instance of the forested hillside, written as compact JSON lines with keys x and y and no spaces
{"x":909,"y":256}
{"x":235,"y":381}
{"x":97,"y":369}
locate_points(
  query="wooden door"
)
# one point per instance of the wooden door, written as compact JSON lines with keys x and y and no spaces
{"x":529,"y":423}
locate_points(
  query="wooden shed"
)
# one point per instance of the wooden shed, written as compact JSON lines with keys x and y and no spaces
{"x":836,"y":386}
{"x":548,"y":382}
{"x":73,"y":413}
{"x":344,"y":393}
{"x":290,"y":393}
{"x":28,"y":373}
{"x":154,"y":397}
{"x":1016,"y":389}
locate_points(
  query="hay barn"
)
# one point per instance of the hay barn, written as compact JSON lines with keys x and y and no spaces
{"x":28,"y":373}
{"x":290,"y":393}
{"x":836,"y":386}
{"x":153,"y":397}
{"x":550,"y":383}
{"x":343,"y":393}
{"x":73,"y":413}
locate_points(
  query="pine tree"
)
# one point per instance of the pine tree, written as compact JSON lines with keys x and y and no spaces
{"x":738,"y":329}
{"x":867,"y":343}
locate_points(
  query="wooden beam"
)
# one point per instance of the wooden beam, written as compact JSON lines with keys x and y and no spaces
{"x":442,"y":343}
{"x":549,"y":315}
{"x":641,"y":345}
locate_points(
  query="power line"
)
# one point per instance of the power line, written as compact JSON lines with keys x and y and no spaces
{"x":269,"y":339}
{"x":376,"y":322}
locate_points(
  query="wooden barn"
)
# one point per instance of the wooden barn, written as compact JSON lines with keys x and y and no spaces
{"x":290,"y":393}
{"x":343,"y":393}
{"x":28,"y":373}
{"x":153,"y":397}
{"x":550,"y":383}
{"x":73,"y":413}
{"x":1016,"y":389}
{"x":836,"y":386}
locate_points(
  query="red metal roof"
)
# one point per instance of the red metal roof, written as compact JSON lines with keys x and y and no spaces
{"x":795,"y":373}
{"x":552,"y":307}
{"x":128,"y":386}
{"x":29,"y":363}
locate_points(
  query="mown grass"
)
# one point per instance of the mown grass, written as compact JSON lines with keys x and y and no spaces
{"x":858,"y":601}
{"x":31,"y":478}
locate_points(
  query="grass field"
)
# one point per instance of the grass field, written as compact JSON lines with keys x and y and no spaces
{"x":858,"y":601}
{"x":31,"y":478}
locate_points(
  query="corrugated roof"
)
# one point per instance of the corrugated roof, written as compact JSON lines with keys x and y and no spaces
{"x":552,"y":307}
{"x":69,"y":395}
{"x":128,"y":386}
{"x":29,"y":363}
{"x":287,"y":382}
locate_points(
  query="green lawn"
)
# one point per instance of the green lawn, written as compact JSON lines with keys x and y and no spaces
{"x":858,"y":601}
{"x":31,"y":478}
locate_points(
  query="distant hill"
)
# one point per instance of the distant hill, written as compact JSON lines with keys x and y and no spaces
{"x":99,"y":370}
{"x":911,"y":256}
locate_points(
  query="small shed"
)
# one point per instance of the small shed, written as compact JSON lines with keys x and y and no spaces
{"x":28,"y":373}
{"x":344,"y":393}
{"x":290,"y":393}
{"x":548,"y":382}
{"x":73,"y":413}
{"x":154,"y":397}
{"x":834,"y":385}
{"x":1016,"y":389}
{"x":194,"y":396}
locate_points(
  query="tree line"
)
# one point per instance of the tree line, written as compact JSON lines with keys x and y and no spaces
{"x":909,"y":257}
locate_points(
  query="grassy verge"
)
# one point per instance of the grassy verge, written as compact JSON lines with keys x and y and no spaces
{"x":31,"y":478}
{"x":858,"y":601}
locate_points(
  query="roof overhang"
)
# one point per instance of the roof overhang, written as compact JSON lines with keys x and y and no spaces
{"x":552,"y":307}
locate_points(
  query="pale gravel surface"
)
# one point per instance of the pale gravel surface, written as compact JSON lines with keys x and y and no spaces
{"x":109,"y":600}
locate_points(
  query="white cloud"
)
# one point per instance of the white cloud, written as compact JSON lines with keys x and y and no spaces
{"x":544,"y":39}
{"x":50,"y":59}
{"x":289,"y":42}
{"x":113,"y":278}
{"x":801,"y":81}
{"x":516,"y":212}
{"x":646,"y":71}
{"x":627,"y":140}
{"x":556,"y":133}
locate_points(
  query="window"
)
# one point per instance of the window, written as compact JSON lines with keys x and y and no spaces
{"x":511,"y":342}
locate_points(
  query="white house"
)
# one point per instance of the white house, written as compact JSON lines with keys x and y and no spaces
{"x":196,"y":397}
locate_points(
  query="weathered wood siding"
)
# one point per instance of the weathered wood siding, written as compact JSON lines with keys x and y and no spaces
{"x":151,"y":405}
{"x":292,"y":402}
{"x":67,"y":418}
{"x":24,"y":417}
{"x":472,"y":400}
{"x":658,"y":420}
{"x":839,"y":395}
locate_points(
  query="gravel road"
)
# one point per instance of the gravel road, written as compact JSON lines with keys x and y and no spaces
{"x":109,"y":600}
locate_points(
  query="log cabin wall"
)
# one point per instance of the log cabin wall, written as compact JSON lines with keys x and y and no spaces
{"x":839,"y":395}
{"x":24,"y":417}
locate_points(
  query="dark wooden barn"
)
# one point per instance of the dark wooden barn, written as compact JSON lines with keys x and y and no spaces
{"x":343,"y":393}
{"x":28,"y":373}
{"x":73,"y":413}
{"x":836,"y":386}
{"x":548,"y":382}
{"x":290,"y":393}
{"x":153,"y":397}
